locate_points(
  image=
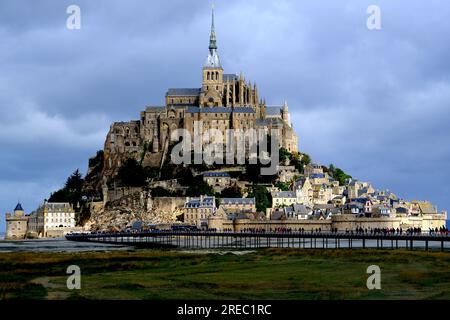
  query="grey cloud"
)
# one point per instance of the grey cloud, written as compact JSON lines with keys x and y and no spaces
{"x":373,"y":103}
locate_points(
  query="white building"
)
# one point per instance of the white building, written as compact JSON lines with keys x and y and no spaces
{"x":52,"y":220}
{"x":283,"y":199}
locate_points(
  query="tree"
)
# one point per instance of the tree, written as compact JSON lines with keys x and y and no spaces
{"x":151,"y":173}
{"x":305,"y":159}
{"x":131,"y":174}
{"x":283,"y":186}
{"x":263,"y":198}
{"x":161,"y":192}
{"x":232,"y":192}
{"x":338,"y":174}
{"x":75,"y":182}
{"x":284,"y":155}
{"x":253,"y":174}
{"x":199,"y":187}
{"x":72,"y":190}
{"x":301,"y":160}
{"x":186,"y":177}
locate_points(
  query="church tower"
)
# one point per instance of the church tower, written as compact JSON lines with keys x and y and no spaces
{"x":285,"y":114}
{"x":212,"y":83}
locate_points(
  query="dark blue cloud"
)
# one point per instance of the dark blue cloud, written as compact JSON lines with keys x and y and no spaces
{"x":372,"y":102}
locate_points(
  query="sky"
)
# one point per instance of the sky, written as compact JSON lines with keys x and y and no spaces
{"x":375,"y":103}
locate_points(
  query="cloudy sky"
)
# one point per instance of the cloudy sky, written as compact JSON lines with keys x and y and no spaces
{"x":375,"y":103}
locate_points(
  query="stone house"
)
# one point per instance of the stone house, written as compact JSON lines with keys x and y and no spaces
{"x":283,"y":199}
{"x":304,"y":191}
{"x":313,"y":168}
{"x":16,"y":224}
{"x":322,"y":194}
{"x":217,"y":180}
{"x":287,"y":173}
{"x":238,"y":205}
{"x":381,"y":211}
{"x":197,"y":211}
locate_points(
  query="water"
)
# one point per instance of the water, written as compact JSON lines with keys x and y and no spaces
{"x":57,"y":245}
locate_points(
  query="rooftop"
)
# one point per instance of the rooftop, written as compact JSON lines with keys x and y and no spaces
{"x":216,"y":174}
{"x":206,"y":202}
{"x":285,"y":194}
{"x":183,"y":92}
{"x":231,"y":201}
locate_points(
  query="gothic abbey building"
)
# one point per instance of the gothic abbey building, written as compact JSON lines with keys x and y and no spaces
{"x":224,"y":101}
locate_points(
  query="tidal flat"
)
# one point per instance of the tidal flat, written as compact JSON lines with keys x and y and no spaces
{"x":261,"y":274}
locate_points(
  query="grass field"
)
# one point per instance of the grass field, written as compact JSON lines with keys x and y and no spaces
{"x":264,"y":274}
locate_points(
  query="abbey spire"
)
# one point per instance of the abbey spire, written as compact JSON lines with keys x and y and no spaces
{"x":213,"y":60}
{"x":212,"y":37}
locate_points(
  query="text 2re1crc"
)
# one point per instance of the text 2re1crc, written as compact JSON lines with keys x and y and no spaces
{"x":237,"y":309}
{"x":225,"y":310}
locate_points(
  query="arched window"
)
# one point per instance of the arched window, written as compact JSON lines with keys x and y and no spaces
{"x":207,"y":76}
{"x":217,"y":75}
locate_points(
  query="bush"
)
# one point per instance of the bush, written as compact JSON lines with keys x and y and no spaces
{"x":338,"y":174}
{"x":262,"y":197}
{"x":283,"y":186}
{"x":131,"y":174}
{"x":232,"y":192}
{"x":199,"y":187}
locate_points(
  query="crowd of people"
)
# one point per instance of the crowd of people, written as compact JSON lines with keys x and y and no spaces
{"x":357,"y":231}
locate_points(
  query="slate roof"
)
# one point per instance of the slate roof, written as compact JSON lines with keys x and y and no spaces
{"x":238,"y":201}
{"x":18,"y":207}
{"x":273,"y":111}
{"x":427,"y":208}
{"x":301,"y":209}
{"x":154,"y":108}
{"x":277,"y":215}
{"x":401,"y":210}
{"x":285,"y":194}
{"x":230,"y":77}
{"x":57,"y":206}
{"x":183,"y":92}
{"x":208,"y":110}
{"x":207,"y":202}
{"x":216,"y":174}
{"x":353,"y":205}
{"x":243,"y":110}
{"x":267,"y":121}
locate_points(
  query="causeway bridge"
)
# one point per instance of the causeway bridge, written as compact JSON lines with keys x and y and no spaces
{"x":250,"y":240}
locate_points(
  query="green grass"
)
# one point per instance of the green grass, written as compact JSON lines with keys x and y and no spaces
{"x":265,"y":274}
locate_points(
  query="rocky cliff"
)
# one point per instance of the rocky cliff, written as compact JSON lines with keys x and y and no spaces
{"x":139,"y":206}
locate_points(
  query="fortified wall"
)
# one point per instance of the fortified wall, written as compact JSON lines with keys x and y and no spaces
{"x":339,"y":222}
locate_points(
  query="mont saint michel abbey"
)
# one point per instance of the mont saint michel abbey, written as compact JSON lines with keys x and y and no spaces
{"x":224,"y":101}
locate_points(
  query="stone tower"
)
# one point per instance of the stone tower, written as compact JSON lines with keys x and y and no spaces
{"x":212,"y":80}
{"x":16,"y":224}
{"x":285,"y":113}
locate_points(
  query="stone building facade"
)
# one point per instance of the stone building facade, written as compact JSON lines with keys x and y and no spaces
{"x":52,"y":220}
{"x":218,"y":180}
{"x":238,"y":205}
{"x":16,"y":224}
{"x":197,"y":211}
{"x":224,"y":101}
